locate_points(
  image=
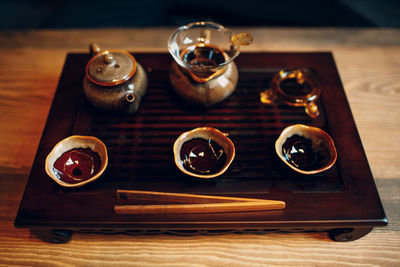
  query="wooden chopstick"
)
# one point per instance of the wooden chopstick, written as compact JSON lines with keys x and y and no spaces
{"x":200,"y":208}
{"x":178,"y":197}
{"x":198,"y":203}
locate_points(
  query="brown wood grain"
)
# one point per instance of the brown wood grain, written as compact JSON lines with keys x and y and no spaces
{"x":378,"y":248}
{"x":368,"y":62}
{"x":200,"y":208}
{"x":170,"y":198}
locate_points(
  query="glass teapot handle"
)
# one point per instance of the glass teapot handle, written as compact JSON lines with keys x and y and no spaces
{"x":242,"y":38}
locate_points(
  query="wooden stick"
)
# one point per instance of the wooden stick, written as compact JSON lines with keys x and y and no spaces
{"x":179,"y":197}
{"x":200,"y":208}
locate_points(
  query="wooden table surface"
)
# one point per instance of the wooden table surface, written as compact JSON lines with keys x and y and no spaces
{"x":368,"y":61}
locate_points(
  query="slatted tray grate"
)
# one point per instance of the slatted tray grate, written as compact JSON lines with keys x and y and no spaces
{"x":140,"y":145}
{"x":343,"y":199}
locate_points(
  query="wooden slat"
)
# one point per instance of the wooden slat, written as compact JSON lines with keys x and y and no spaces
{"x":181,"y":197}
{"x":200,"y":208}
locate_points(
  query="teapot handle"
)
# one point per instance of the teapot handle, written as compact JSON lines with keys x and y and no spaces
{"x":94,"y":49}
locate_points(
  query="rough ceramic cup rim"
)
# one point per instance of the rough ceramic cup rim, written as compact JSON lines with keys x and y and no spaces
{"x":284,"y":136}
{"x":104,"y":162}
{"x":185,"y":135}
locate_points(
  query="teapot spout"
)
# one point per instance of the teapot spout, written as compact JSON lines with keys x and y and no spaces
{"x":130,"y":97}
{"x":131,"y":102}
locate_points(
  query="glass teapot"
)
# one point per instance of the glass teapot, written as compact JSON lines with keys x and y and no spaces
{"x":204,"y":71}
{"x":114,"y":80}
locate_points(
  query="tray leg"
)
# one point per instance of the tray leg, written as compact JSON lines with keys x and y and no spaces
{"x":349,"y":234}
{"x":55,"y":236}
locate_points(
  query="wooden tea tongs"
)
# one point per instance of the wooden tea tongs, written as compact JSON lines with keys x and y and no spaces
{"x":191,"y":203}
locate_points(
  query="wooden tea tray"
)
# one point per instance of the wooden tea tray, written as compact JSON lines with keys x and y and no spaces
{"x":343,"y":200}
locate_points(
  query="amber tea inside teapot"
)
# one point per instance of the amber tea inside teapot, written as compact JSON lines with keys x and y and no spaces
{"x":114,"y":80}
{"x":204,"y":71}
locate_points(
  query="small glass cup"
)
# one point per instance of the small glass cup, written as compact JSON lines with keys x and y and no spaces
{"x":305,"y":96}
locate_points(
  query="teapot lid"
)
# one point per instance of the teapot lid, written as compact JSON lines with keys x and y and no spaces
{"x":111,"y":68}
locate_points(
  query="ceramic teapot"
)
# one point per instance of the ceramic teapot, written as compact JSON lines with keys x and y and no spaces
{"x":114,"y":80}
{"x":203,"y":71}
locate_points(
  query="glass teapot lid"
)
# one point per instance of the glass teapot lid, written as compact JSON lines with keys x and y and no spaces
{"x":108,"y":68}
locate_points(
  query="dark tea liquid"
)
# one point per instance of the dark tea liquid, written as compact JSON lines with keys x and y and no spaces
{"x":300,"y":152}
{"x":77,"y":165}
{"x":202,"y":156}
{"x":293,"y":89}
{"x":203,"y":55}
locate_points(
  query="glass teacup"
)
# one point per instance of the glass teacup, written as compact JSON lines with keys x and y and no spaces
{"x":305,"y":92}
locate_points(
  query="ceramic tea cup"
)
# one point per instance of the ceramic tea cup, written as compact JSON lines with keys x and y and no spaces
{"x":88,"y":150}
{"x":203,"y":152}
{"x":306,"y":149}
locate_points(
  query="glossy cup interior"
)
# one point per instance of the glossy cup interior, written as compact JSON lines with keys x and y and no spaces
{"x":206,"y":133}
{"x":72,"y":142}
{"x":313,"y":133}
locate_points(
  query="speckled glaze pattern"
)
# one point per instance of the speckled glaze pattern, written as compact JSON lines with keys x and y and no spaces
{"x":313,"y":133}
{"x":115,"y":97}
{"x":205,"y":133}
{"x":208,"y":93}
{"x":71,"y":142}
